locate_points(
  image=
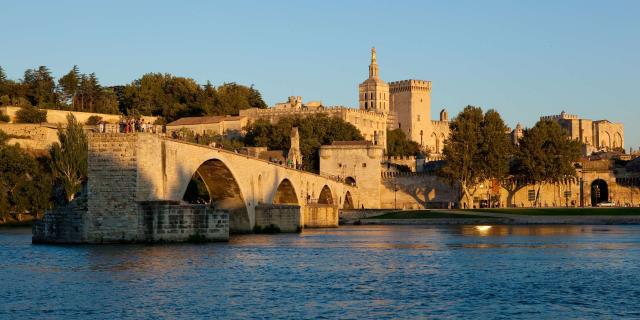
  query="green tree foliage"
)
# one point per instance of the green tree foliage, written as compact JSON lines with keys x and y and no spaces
{"x":496,"y":148}
{"x":233,"y":97}
{"x":69,"y":157}
{"x":40,"y":87}
{"x":477,"y":150}
{"x":175,"y":97}
{"x":30,"y":114}
{"x":157,"y":94}
{"x":68,"y":86}
{"x":399,"y":145}
{"x":93,"y":120}
{"x":546,"y":155}
{"x":25,"y":185}
{"x":10,"y":91}
{"x":229,"y":141}
{"x":4,"y":137}
{"x":314,"y":131}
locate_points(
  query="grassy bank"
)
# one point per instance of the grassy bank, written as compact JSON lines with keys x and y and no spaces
{"x":424,"y":214}
{"x":565,"y":211}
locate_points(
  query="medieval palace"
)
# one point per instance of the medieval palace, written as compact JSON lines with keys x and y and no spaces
{"x":404,"y":104}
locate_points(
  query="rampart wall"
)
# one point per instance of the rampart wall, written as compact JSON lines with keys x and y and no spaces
{"x":31,"y":136}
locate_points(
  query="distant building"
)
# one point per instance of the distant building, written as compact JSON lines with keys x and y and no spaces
{"x":600,"y":135}
{"x":220,"y":125}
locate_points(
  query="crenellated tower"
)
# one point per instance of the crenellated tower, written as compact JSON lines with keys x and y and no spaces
{"x":410,"y":102}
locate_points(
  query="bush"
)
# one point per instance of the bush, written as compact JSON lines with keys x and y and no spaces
{"x":160,"y":121}
{"x":93,"y":120}
{"x":29,"y":114}
{"x":4,"y":118}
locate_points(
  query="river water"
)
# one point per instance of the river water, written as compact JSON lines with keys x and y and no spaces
{"x":506,"y":272}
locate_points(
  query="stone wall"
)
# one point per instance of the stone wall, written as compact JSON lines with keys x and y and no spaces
{"x":286,"y":217}
{"x":60,"y":116}
{"x":321,"y":216}
{"x":64,"y":224}
{"x":31,"y":136}
{"x":112,"y":184}
{"x":415,"y":191}
{"x":170,"y":222}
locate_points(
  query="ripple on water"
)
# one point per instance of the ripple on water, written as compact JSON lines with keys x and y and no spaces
{"x":350,"y":272}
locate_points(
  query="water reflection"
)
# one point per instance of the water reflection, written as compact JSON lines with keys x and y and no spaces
{"x":534,"y":230}
{"x":349,"y":272}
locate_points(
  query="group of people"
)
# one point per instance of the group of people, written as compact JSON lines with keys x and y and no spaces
{"x":128,"y":125}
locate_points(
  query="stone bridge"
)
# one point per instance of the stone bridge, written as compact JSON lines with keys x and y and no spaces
{"x":235,"y":182}
{"x":128,"y":172}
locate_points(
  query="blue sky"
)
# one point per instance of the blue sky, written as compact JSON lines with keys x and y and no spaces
{"x":523,"y":58}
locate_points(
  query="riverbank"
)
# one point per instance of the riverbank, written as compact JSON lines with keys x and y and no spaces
{"x":578,"y":216}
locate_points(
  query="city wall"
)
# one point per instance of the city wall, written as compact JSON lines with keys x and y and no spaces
{"x":31,"y":136}
{"x":60,"y":116}
{"x":415,"y":191}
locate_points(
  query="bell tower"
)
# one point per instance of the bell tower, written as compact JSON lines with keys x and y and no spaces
{"x":374,"y":93}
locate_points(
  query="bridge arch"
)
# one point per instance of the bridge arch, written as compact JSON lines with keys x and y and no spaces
{"x":285,"y":193}
{"x":325,"y":196}
{"x":348,"y":201}
{"x":223,"y":192}
{"x":599,"y":192}
{"x":350,"y":181}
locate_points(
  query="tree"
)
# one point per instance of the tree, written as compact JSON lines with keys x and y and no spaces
{"x":107,"y":102}
{"x":68,"y":86}
{"x":24,"y":184}
{"x":399,"y":145}
{"x":93,"y":120}
{"x":476,"y":151}
{"x":30,"y":114}
{"x":3,"y":75}
{"x":315,"y":131}
{"x":69,"y":157}
{"x":546,"y":155}
{"x":40,"y":87}
{"x":233,"y":97}
{"x":4,"y":87}
{"x":496,"y":150}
